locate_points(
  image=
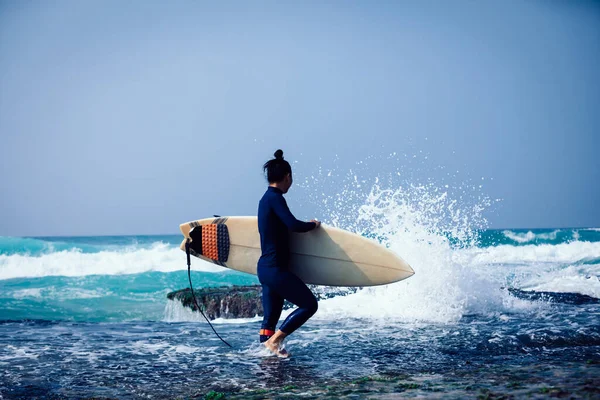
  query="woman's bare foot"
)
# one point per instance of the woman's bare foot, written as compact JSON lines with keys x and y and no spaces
{"x":274,"y":344}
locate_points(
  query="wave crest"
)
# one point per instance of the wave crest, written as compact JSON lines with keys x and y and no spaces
{"x":159,"y":257}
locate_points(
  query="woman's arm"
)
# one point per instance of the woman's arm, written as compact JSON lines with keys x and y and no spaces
{"x":283,"y":212}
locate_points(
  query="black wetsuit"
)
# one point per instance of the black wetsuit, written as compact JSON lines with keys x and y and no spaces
{"x":275,"y":221}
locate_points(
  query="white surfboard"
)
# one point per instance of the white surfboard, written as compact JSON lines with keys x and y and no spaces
{"x":324,"y":256}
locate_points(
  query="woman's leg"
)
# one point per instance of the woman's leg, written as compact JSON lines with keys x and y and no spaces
{"x":272,"y":305}
{"x":289,"y":287}
{"x":295,"y":291}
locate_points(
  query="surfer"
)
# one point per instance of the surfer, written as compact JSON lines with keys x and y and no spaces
{"x":275,"y":221}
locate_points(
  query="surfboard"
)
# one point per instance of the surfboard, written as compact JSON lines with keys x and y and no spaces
{"x":325,"y":256}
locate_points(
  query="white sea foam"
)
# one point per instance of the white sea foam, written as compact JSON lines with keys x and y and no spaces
{"x":14,"y":352}
{"x":53,"y":293}
{"x":573,"y":279}
{"x":533,"y":255}
{"x":160,"y":257}
{"x":530,"y":236}
{"x":176,"y":312}
{"x":450,"y":281}
{"x":27,"y":293}
{"x":410,"y":222}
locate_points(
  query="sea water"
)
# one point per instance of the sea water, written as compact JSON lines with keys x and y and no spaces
{"x":510,"y":311}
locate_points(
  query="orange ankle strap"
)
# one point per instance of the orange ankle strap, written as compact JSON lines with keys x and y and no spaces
{"x":266,"y":332}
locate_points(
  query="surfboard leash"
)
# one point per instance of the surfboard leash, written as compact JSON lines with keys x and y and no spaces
{"x":189,"y":265}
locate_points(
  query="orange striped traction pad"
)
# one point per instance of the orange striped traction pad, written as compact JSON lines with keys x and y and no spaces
{"x":211,"y":240}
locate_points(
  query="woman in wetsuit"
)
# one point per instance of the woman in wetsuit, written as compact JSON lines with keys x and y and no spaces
{"x":275,"y":221}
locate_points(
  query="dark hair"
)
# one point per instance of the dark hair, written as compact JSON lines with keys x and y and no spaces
{"x":277,"y":168}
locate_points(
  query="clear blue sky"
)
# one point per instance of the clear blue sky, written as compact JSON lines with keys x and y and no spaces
{"x":130,"y":117}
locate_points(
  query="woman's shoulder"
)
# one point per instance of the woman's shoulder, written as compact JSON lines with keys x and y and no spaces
{"x":271,"y":196}
{"x":266,"y":196}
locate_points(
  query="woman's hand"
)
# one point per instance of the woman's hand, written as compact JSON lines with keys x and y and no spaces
{"x":317,"y":223}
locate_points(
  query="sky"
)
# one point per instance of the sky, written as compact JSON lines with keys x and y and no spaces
{"x":133,"y":117}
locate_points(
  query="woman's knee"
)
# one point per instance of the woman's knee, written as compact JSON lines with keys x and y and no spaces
{"x":313,"y":306}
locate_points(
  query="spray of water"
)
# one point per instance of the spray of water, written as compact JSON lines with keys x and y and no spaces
{"x":432,"y":226}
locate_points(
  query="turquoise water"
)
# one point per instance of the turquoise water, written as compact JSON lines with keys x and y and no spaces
{"x":125,"y":278}
{"x":523,"y":303}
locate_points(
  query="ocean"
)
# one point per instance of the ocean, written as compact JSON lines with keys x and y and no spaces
{"x":489,"y":313}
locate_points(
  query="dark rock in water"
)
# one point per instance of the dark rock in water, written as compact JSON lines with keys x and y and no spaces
{"x":224,"y":301}
{"x":239,"y":301}
{"x":554,"y":297}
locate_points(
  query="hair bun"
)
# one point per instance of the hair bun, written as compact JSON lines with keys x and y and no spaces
{"x":279,"y":154}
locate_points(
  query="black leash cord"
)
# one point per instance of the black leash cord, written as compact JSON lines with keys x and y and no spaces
{"x":189,"y":265}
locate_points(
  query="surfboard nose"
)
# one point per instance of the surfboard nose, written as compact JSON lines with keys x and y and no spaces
{"x":402,"y":268}
{"x":404,"y":272}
